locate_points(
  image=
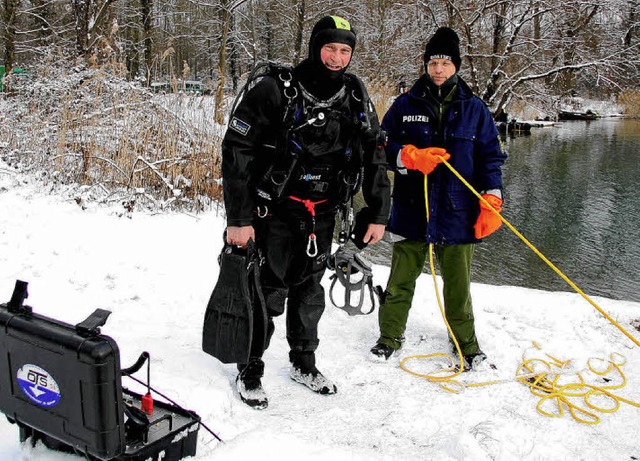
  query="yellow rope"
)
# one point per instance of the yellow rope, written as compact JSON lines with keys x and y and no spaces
{"x":552,"y":387}
{"x":543,"y":257}
{"x":445,"y":376}
{"x":544,"y":384}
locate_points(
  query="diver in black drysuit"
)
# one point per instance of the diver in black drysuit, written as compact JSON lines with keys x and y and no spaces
{"x":333,"y":131}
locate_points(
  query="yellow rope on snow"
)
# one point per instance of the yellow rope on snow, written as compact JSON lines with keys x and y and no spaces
{"x":579,"y":398}
{"x":544,"y":384}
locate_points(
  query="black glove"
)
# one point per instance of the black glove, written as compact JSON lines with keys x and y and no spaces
{"x":363,"y":219}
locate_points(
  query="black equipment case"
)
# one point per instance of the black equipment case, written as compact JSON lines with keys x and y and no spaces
{"x":61,"y":384}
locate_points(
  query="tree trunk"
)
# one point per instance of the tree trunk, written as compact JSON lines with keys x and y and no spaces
{"x":146,"y":7}
{"x":43,"y":17}
{"x":298,"y":51}
{"x":81,"y":14}
{"x":222,"y":63}
{"x":132,"y":53}
{"x":10,"y":8}
{"x":496,"y":49}
{"x":233,"y":56}
{"x":269,"y":36}
{"x":89,"y":20}
{"x":634,"y":7}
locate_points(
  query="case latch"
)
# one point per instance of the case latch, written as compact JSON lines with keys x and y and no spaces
{"x":91,"y":325}
{"x":20,"y":293}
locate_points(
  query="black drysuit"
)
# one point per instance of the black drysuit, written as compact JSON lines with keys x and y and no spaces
{"x":332,"y":145}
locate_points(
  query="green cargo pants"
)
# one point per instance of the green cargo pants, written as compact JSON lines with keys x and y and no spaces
{"x":407,"y":262}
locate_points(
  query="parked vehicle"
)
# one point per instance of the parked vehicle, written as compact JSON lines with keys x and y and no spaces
{"x":179,"y":86}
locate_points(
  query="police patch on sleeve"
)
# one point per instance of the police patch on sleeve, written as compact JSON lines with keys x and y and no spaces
{"x":238,"y":125}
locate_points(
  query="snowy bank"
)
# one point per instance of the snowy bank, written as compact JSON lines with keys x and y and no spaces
{"x":156,"y":272}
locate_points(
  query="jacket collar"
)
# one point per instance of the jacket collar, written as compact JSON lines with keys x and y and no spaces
{"x":420,"y":91}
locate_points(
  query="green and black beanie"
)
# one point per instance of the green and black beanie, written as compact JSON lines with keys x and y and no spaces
{"x":445,"y":44}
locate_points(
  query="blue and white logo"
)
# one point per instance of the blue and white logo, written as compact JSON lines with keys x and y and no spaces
{"x":240,"y":126}
{"x":310,"y":177}
{"x":38,"y":385}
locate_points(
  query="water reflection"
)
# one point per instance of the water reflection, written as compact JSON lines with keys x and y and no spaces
{"x":571,"y":190}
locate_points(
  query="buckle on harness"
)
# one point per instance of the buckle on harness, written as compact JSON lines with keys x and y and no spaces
{"x":355,"y":275}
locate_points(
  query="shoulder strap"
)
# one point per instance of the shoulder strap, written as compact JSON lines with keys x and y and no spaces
{"x":360,"y":101}
{"x":357,"y":91}
{"x":288,"y":87}
{"x":282,"y":74}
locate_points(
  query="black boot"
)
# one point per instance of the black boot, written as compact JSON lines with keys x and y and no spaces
{"x":472,"y":361}
{"x":381,"y":352}
{"x":249,"y":385}
{"x":304,"y":371}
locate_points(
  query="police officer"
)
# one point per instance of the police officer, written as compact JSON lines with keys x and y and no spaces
{"x":439,"y":119}
{"x":286,"y":172}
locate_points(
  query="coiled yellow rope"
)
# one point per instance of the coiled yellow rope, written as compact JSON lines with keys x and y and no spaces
{"x":545,"y":378}
{"x":559,"y":387}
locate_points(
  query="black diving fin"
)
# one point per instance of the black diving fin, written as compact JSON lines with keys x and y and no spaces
{"x":230,"y":319}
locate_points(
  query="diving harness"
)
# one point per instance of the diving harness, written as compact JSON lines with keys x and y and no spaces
{"x":355,"y":275}
{"x":274,"y":185}
{"x":352,"y":271}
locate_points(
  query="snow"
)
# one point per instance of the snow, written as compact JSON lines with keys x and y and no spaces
{"x":155,"y":272}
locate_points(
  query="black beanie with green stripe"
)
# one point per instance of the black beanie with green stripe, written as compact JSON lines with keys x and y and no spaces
{"x":330,"y":29}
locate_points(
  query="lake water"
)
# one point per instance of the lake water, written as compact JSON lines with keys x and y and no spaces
{"x":572,"y":191}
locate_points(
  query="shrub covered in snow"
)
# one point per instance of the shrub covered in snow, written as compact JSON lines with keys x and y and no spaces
{"x":83,"y":126}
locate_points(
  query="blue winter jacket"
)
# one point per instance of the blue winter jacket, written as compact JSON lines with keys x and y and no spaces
{"x":469,"y":134}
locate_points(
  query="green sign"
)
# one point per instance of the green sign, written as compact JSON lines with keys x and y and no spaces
{"x":15,"y":70}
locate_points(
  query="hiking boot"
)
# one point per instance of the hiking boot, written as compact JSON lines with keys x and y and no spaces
{"x":314,"y":380}
{"x":303,"y":370}
{"x":381,"y":352}
{"x":249,"y":385}
{"x":471,"y":361}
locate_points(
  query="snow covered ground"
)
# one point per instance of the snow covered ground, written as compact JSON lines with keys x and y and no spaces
{"x":156,"y":272}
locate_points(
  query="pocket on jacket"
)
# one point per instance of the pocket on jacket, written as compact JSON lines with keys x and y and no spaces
{"x":462,"y":133}
{"x":460,"y":199}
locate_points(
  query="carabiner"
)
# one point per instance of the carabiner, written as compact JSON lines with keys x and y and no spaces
{"x":312,"y":246}
{"x":290,"y":89}
{"x":286,"y":80}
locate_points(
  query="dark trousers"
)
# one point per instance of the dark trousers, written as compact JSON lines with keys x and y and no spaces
{"x":455,"y":267}
{"x":291,"y":278}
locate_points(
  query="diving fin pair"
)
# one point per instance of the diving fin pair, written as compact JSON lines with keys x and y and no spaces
{"x":236,"y":311}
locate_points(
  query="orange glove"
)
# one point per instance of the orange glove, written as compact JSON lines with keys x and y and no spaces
{"x":488,"y":222}
{"x":424,"y":160}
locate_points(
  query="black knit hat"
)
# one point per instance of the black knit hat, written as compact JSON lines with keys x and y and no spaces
{"x":330,"y":29}
{"x":445,"y":44}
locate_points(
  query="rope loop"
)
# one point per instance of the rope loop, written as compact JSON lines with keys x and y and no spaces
{"x":547,"y":378}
